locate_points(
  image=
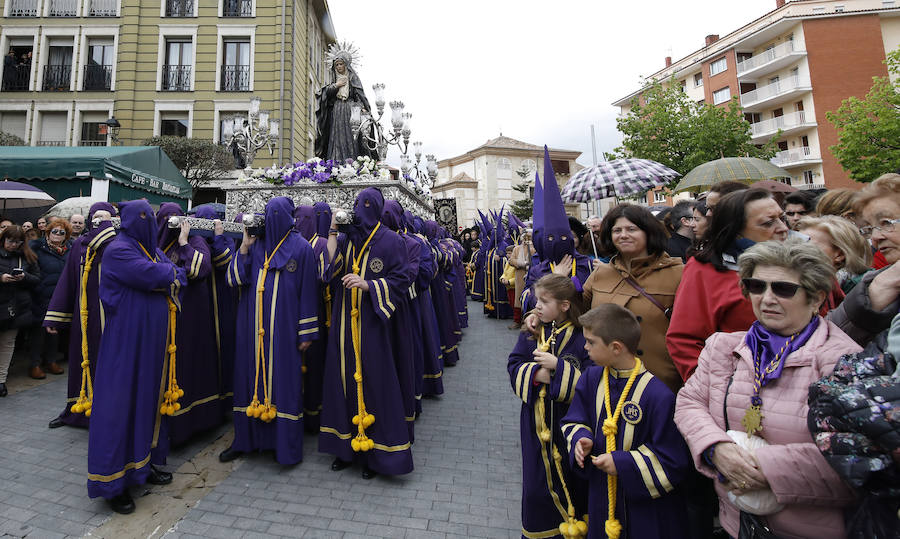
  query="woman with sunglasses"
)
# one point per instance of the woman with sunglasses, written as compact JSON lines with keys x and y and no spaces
{"x":52,"y":250}
{"x":750,"y":391}
{"x":18,"y":275}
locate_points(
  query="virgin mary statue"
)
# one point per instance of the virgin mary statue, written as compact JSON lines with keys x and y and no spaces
{"x":334,"y":136}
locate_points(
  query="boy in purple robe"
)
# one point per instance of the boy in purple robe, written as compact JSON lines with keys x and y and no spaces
{"x":223,"y":306}
{"x":199,"y":369}
{"x":429,"y":368}
{"x":65,"y":306}
{"x":621,"y":435}
{"x":140,"y":290}
{"x":276,"y":323}
{"x":363,"y":416}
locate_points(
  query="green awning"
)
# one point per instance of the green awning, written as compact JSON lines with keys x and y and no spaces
{"x":137,"y":169}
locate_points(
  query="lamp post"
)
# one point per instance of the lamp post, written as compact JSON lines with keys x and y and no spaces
{"x":249,"y":135}
{"x":112,"y":129}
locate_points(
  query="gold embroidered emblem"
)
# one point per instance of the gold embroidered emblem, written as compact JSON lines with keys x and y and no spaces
{"x":632,"y":412}
{"x":376,"y":265}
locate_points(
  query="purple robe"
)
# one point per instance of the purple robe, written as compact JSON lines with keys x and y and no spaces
{"x":383,"y":267}
{"x":430,"y":367}
{"x":544,"y":505}
{"x":651,"y":457}
{"x":127,"y":430}
{"x":459,"y":286}
{"x":65,"y":307}
{"x":289,"y":318}
{"x":198,"y":369}
{"x":444,"y":308}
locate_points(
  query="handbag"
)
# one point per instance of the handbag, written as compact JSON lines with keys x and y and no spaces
{"x":633,"y":283}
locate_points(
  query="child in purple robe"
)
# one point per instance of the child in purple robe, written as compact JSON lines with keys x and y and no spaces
{"x":622,"y":437}
{"x":543,"y":370}
{"x":141,"y":290}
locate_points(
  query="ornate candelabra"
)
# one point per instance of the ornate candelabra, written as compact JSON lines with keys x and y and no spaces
{"x":251,"y":134}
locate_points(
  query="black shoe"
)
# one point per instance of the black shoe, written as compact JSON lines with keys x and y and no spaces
{"x":229,"y":454}
{"x":368,"y":473}
{"x":339,"y":465}
{"x":3,"y":391}
{"x":56,"y":423}
{"x":158,"y":477}
{"x":122,"y":503}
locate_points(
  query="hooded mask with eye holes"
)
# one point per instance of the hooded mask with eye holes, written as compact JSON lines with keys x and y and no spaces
{"x":305,"y":221}
{"x":139,"y":223}
{"x":164,"y":234}
{"x":392,"y":217}
{"x":367,"y":212}
{"x":323,"y":218}
{"x":556,"y":236}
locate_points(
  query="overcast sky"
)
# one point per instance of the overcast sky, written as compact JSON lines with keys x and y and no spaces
{"x":538,"y":71}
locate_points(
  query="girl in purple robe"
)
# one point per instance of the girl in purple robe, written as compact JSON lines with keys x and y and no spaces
{"x":223,"y":306}
{"x":199,"y":371}
{"x":276,"y":323}
{"x":430,"y":367}
{"x":543,"y":370}
{"x":139,"y":289}
{"x":368,"y":274}
{"x":64,"y":310}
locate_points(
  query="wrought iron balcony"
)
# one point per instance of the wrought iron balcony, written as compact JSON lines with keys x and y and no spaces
{"x":51,"y":143}
{"x":23,"y":8}
{"x":16,"y":78}
{"x":237,"y":8}
{"x":236,"y":78}
{"x":179,"y":8}
{"x":796,"y":157}
{"x":102,"y":8}
{"x":63,"y":8}
{"x":57,"y":78}
{"x":176,"y":78}
{"x":97,"y":77}
{"x":92,"y":142}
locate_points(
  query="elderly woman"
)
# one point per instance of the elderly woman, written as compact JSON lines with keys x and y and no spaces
{"x":755,"y":382}
{"x":709,"y":298}
{"x":841,"y":241}
{"x":641,"y":277}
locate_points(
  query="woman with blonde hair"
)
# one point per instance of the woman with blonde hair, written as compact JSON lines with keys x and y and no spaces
{"x":841,"y":241}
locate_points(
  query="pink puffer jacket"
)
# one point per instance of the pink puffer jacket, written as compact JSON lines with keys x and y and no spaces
{"x":813,"y":494}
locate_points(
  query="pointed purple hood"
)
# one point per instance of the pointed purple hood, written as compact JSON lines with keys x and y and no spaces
{"x":164,"y":234}
{"x":139,"y":223}
{"x":323,"y":218}
{"x":392,"y":216}
{"x":557,"y":236}
{"x":305,"y":221}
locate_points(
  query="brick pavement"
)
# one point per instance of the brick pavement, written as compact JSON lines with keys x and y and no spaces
{"x":466,"y":481}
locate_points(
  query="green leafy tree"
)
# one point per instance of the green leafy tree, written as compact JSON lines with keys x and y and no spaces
{"x":200,"y":160}
{"x":8,"y":139}
{"x":523,"y":208}
{"x":665,"y":125}
{"x":869,"y":128}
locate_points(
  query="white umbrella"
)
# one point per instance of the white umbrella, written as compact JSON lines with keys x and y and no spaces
{"x":71,"y":206}
{"x":21,"y":195}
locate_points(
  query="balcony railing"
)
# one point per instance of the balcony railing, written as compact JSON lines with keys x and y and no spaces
{"x":97,"y":77}
{"x":51,"y":143}
{"x":235,"y":78}
{"x":762,"y":93}
{"x":92,"y":143}
{"x":57,"y":78}
{"x":769,"y":55}
{"x":788,"y":121}
{"x":103,"y":8}
{"x":176,"y":78}
{"x":179,"y":8}
{"x":237,"y":8}
{"x":16,"y":78}
{"x":23,"y":8}
{"x":63,"y":8}
{"x":797,"y":155}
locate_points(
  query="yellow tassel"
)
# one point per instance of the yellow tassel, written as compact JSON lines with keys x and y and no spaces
{"x":362,"y":419}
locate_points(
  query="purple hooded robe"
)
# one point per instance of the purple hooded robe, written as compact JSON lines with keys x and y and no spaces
{"x":444,"y":306}
{"x":127,"y":430}
{"x":288,"y":320}
{"x":430,"y":367}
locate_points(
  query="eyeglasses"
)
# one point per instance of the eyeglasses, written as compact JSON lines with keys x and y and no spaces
{"x":885,"y":225}
{"x":58,"y":232}
{"x":793,"y":213}
{"x":782,"y":289}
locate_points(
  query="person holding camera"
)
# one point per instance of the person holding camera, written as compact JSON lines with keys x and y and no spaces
{"x":19,"y":273}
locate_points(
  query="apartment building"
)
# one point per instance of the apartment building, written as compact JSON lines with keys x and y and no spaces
{"x":788,"y":68}
{"x":167,"y":67}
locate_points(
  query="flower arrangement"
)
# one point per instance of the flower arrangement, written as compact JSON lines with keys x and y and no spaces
{"x":318,"y":171}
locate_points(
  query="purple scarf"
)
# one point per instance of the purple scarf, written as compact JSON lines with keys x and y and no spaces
{"x":767,"y":344}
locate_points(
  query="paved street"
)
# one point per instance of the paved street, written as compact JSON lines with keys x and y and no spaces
{"x":465,"y":484}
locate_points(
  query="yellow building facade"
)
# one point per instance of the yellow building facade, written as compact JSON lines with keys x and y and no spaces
{"x":167,"y":67}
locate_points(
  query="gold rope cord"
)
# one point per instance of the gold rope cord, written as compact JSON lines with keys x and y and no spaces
{"x":362,"y":419}
{"x":86,"y":395}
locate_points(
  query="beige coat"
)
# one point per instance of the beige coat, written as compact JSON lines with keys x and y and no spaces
{"x":658,"y":276}
{"x":519,"y":260}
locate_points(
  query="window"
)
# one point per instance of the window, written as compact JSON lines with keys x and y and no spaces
{"x":58,"y":71}
{"x":53,"y":129}
{"x":17,"y":75}
{"x":179,"y":8}
{"x":683,"y":85}
{"x":560,"y":167}
{"x":718,"y":66}
{"x":819,"y":9}
{"x":173,"y":123}
{"x":839,"y":9}
{"x":103,"y":8}
{"x":98,"y":70}
{"x":808,"y":177}
{"x":659,"y":197}
{"x":62,"y":8}
{"x":14,"y":123}
{"x":236,"y":65}
{"x":529,"y":165}
{"x":887,"y":3}
{"x":177,"y":69}
{"x":504,"y":169}
{"x":93,"y":129}
{"x":237,"y":8}
{"x":23,"y":8}
{"x":642,"y":199}
{"x":722,"y":96}
{"x":698,"y":80}
{"x":227,"y":117}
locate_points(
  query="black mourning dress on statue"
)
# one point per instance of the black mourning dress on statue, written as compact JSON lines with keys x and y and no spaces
{"x":334,"y":137}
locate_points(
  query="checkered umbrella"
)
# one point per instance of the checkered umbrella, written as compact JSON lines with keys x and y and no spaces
{"x":616,"y":178}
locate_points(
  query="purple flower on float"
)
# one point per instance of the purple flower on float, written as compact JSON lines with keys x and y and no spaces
{"x":348,"y":161}
{"x":321,"y":177}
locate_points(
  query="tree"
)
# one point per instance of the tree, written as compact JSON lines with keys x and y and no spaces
{"x":665,"y":125}
{"x":200,"y":160}
{"x":869,"y":128}
{"x":8,"y":139}
{"x":523,"y":208}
